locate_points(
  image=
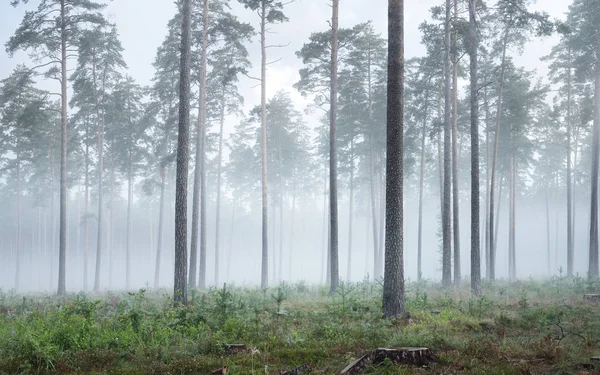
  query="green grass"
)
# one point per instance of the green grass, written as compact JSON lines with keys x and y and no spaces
{"x":525,"y":327}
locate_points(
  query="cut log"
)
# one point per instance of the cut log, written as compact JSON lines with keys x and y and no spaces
{"x":398,"y":356}
{"x":221,"y":371}
{"x":300,"y":370}
{"x":592,"y":298}
{"x":231,"y":349}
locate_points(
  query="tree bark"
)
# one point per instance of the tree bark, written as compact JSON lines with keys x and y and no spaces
{"x":455,"y":193}
{"x":421,"y":183}
{"x":62,"y":241}
{"x":393,"y":281}
{"x":19,"y":229}
{"x":350,"y":211}
{"x":219,"y":162}
{"x":100,"y":135}
{"x":570,"y":249}
{"x":373,"y":210}
{"x":160,"y":228}
{"x":475,"y":242}
{"x":199,"y":198}
{"x":264,"y":280}
{"x":128,"y":235}
{"x":593,"y":255}
{"x":492,"y":273}
{"x":446,"y":214}
{"x":86,"y":213}
{"x":333,"y":206}
{"x":183,"y":140}
{"x":292,"y":226}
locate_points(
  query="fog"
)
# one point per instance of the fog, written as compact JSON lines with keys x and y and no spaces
{"x":298,"y":197}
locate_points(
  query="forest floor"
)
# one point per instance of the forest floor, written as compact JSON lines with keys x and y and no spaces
{"x":526,"y":327}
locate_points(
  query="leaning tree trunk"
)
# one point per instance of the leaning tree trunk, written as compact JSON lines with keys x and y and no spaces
{"x":492,"y":272}
{"x":593,"y":255}
{"x":333,"y":208}
{"x":62,"y":241}
{"x":183,"y":142}
{"x":455,"y":200}
{"x":219,"y":161}
{"x":393,"y":281}
{"x":475,"y":242}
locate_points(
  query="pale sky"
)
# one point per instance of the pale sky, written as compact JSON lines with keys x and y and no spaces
{"x":142,"y":27}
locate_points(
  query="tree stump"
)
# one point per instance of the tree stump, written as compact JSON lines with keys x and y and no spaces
{"x":591,"y":298}
{"x":398,"y":356}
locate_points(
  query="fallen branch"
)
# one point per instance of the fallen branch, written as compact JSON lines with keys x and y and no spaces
{"x":398,"y":356}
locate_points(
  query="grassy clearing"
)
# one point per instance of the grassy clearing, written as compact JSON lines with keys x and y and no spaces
{"x":526,"y":327}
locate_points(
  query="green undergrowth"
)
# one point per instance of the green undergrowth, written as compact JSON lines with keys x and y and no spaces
{"x":517,"y":328}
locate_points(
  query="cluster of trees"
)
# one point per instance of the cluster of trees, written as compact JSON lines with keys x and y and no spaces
{"x":109,"y":135}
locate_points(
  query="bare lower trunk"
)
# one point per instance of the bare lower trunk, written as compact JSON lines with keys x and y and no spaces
{"x":18,"y":252}
{"x":455,"y":193}
{"x":350,"y":212}
{"x":373,"y":210}
{"x":229,"y":256}
{"x":128,"y":239}
{"x":333,"y":205}
{"x":290,"y":259}
{"x":219,"y":161}
{"x":86,"y":217}
{"x":593,"y":254}
{"x":160,"y":228}
{"x":62,"y":247}
{"x":264,"y":280}
{"x":548,"y":247}
{"x":446,"y":214}
{"x":325,"y":230}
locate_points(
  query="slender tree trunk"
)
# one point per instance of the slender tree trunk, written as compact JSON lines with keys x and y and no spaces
{"x":100,"y":194}
{"x":183,"y":141}
{"x":290,"y":259}
{"x":495,"y":158}
{"x":511,"y":218}
{"x":393,"y":281}
{"x":86,"y":215}
{"x":446,"y":214}
{"x":350,"y":211}
{"x":280,"y":230}
{"x":570,"y":250}
{"x":593,"y":255}
{"x":380,"y":257}
{"x":333,"y":207}
{"x":497,"y":224}
{"x":128,"y":236}
{"x":324,"y":244}
{"x":111,"y":235}
{"x":52,"y":214}
{"x":487,"y":182}
{"x":475,"y":243}
{"x":229,"y":256}
{"x":421,"y":183}
{"x":160,"y":228}
{"x":455,"y":193}
{"x":62,"y":247}
{"x":548,"y":247}
{"x":199,"y":198}
{"x":19,"y":193}
{"x":219,"y":161}
{"x":373,"y":210}
{"x":264,"y":280}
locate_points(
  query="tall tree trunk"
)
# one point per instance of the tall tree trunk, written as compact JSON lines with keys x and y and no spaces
{"x":292,"y":226}
{"x":421,"y":183}
{"x":219,"y":161}
{"x":183,"y":141}
{"x":593,"y":255}
{"x":160,"y":228}
{"x":264,"y":279}
{"x":511,"y":219}
{"x":229,"y":256}
{"x":62,"y":241}
{"x":497,"y":224}
{"x":373,"y":209}
{"x":324,"y":244}
{"x":111,"y":235}
{"x":455,"y":200}
{"x":446,"y":224}
{"x":570,"y":249}
{"x":100,"y":193}
{"x":475,"y":245}
{"x":380,"y":257}
{"x":393,"y":281}
{"x":495,"y":158}
{"x":333,"y":149}
{"x":128,"y":236}
{"x":19,"y":193}
{"x":279,"y":271}
{"x":52,"y":214}
{"x":487,"y":181}
{"x":548,"y":247}
{"x":350,"y":211}
{"x":86,"y":214}
{"x":199,"y":199}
